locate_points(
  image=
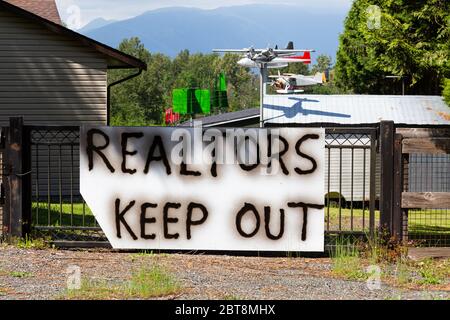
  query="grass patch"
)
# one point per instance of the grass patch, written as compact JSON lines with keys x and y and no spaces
{"x":20,"y":274}
{"x":147,"y":254}
{"x":15,"y":274}
{"x":152,"y":282}
{"x":146,"y":283}
{"x":425,"y":272}
{"x":434,"y":271}
{"x":349,"y":261}
{"x":65,"y":214}
{"x":344,"y":221}
{"x":346,"y":261}
{"x":31,"y":243}
{"x":403,"y":274}
{"x":94,"y":290}
{"x":142,"y":254}
{"x":420,"y":222}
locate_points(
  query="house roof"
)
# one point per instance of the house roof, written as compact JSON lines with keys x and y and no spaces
{"x":115,"y":58}
{"x":355,"y":109}
{"x":44,"y":8}
{"x":340,"y":109}
{"x":228,"y":118}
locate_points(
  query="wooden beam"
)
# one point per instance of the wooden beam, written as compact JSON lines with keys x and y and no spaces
{"x":18,"y":185}
{"x":426,"y":145}
{"x":424,"y":132}
{"x":425,"y":200}
{"x":387,"y":132}
{"x":14,"y":183}
{"x":418,"y":254}
{"x":397,"y":216}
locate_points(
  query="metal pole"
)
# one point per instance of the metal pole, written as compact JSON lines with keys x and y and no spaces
{"x":262,"y":89}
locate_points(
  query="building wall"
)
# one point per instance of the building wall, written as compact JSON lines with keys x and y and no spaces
{"x":48,"y":79}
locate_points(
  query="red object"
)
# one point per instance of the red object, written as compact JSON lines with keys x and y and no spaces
{"x":172,"y":117}
{"x":306,"y":56}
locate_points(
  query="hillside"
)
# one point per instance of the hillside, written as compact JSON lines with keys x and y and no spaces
{"x":95,"y":24}
{"x":171,"y":30}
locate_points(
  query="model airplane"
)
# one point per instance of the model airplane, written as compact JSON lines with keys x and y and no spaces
{"x":270,"y":57}
{"x":293,"y":83}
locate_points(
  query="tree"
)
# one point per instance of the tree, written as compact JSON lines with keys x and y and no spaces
{"x":243,"y":88}
{"x":142,"y":101}
{"x":297,"y":68}
{"x":129,"y":99}
{"x":446,"y":92}
{"x":410,"y":41}
{"x":323,"y":64}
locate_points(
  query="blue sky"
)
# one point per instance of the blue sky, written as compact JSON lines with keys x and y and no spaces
{"x":81,"y":12}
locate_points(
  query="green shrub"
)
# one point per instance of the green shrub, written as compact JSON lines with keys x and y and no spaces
{"x":446,"y":92}
{"x":347,"y":261}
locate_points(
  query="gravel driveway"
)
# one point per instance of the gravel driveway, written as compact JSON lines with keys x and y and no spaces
{"x":41,"y":274}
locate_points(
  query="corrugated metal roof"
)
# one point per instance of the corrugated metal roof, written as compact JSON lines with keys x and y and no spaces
{"x":355,"y":109}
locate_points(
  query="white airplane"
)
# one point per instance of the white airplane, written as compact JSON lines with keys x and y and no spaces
{"x":288,"y":83}
{"x":270,"y":58}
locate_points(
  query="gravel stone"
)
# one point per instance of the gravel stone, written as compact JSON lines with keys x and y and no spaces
{"x":201,"y":276}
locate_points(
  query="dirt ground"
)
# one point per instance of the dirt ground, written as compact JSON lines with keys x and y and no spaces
{"x":42,"y":274}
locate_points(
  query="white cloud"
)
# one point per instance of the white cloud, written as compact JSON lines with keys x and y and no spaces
{"x":120,"y":9}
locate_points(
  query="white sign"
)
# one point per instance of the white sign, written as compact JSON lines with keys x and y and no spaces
{"x":206,"y":189}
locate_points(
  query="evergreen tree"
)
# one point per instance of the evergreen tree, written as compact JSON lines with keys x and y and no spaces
{"x":142,"y":101}
{"x":408,"y":39}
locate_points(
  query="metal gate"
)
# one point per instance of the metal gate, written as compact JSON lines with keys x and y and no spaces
{"x":352,"y":183}
{"x":50,"y":175}
{"x":58,"y":209}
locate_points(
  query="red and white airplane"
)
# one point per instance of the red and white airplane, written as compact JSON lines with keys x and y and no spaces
{"x":288,"y":83}
{"x":270,"y":58}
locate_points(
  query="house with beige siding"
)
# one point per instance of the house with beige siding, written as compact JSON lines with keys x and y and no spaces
{"x":49,"y":74}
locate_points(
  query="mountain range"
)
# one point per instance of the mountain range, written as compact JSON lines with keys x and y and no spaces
{"x":95,"y":24}
{"x":170,"y":30}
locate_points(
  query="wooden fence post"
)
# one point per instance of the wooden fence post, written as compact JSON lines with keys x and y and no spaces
{"x":18,"y":180}
{"x":387,"y":133}
{"x":397,"y":213}
{"x":3,"y":215}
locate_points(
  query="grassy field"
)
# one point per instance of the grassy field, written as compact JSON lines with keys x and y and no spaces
{"x":431,"y":222}
{"x":350,"y":220}
{"x":62,"y":215}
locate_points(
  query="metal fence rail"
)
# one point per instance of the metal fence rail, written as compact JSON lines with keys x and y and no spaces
{"x":58,"y":209}
{"x":351,"y":184}
{"x":358,"y":201}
